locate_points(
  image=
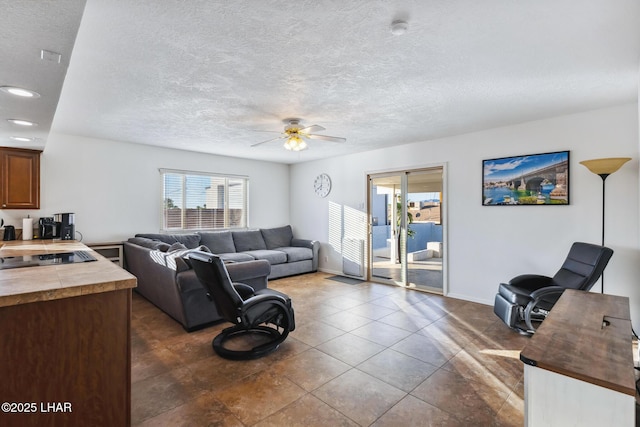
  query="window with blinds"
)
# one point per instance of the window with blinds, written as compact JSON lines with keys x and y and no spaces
{"x":201,"y":201}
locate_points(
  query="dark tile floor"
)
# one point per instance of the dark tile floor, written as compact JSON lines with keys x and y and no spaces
{"x":363,"y":354}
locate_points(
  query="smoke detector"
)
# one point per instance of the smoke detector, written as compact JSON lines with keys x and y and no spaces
{"x":399,"y":27}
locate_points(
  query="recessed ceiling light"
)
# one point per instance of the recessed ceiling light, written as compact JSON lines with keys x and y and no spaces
{"x":22,"y":122}
{"x":18,"y":91}
{"x":22,"y":138}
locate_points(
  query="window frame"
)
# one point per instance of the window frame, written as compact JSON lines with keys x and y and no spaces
{"x":184,"y":174}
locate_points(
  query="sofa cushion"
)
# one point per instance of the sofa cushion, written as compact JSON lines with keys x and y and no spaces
{"x":189,"y":240}
{"x":274,"y":257}
{"x":277,"y":237}
{"x":220,"y":242}
{"x":149,"y":243}
{"x":163,"y":246}
{"x":248,"y":240}
{"x":236,"y":257}
{"x":296,"y":253}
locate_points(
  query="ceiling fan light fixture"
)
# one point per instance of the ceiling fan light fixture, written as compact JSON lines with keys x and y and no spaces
{"x":295,"y":143}
{"x":296,"y":134}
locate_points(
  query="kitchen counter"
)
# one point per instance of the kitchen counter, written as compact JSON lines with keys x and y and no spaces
{"x":65,"y":339}
{"x":45,"y":283}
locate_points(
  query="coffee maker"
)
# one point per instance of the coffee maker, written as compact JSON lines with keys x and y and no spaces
{"x":47,"y":227}
{"x":65,"y":226}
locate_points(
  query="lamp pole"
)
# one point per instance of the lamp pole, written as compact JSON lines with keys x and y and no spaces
{"x":604,"y":177}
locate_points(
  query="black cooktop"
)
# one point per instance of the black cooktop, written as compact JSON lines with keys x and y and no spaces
{"x":45,"y":259}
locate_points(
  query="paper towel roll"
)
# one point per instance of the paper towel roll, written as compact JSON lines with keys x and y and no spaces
{"x":27,"y":228}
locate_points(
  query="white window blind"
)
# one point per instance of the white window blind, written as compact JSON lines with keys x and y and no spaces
{"x":201,"y":201}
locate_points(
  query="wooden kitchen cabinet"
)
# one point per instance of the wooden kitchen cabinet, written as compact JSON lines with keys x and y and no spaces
{"x":19,"y":178}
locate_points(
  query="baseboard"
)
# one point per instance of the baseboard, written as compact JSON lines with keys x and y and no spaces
{"x":339,"y":273}
{"x":449,"y":295}
{"x":330,"y":271}
{"x":467,"y":298}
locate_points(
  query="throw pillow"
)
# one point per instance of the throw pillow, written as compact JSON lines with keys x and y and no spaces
{"x":178,"y":259}
{"x":176,"y":246}
{"x":162,"y":246}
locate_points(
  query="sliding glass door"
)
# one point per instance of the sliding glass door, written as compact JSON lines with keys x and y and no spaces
{"x":384,"y":192}
{"x":406,"y":228}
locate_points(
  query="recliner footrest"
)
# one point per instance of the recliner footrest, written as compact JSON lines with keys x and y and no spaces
{"x":506,"y":311}
{"x":514,"y":295}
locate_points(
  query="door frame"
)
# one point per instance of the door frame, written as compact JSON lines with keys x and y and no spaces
{"x":444,"y":220}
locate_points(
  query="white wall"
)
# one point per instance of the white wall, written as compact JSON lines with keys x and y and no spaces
{"x":114,"y":188}
{"x":488,"y":245}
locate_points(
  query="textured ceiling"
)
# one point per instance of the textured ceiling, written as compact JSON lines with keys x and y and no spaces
{"x":26,"y":28}
{"x":208,"y":75}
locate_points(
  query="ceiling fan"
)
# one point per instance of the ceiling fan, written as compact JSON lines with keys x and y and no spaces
{"x":295,"y":135}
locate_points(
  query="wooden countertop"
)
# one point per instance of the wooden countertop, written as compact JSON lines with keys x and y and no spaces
{"x":586,"y":336}
{"x":44,"y":283}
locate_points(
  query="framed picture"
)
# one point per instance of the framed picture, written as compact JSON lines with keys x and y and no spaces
{"x":534,"y":179}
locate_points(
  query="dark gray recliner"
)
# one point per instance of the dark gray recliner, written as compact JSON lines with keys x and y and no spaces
{"x":251,"y":311}
{"x":528,"y":298}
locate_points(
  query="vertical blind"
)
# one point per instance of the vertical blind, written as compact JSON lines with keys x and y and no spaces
{"x":202,"y":201}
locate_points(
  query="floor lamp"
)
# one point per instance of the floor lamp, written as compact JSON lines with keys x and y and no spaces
{"x":604,"y":168}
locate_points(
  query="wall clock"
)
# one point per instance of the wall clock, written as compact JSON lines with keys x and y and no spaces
{"x":322,"y":185}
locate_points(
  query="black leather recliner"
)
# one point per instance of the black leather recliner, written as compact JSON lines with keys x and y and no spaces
{"x":528,"y":298}
{"x":251,"y":311}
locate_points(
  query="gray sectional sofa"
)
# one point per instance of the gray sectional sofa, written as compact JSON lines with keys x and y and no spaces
{"x":160,"y":262}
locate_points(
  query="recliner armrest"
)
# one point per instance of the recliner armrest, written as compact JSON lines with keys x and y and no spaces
{"x":245,"y":291}
{"x":546,"y":291}
{"x":538,"y":296}
{"x":258,"y":299}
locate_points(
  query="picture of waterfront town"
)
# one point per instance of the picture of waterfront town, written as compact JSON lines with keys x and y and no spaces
{"x":539,"y":179}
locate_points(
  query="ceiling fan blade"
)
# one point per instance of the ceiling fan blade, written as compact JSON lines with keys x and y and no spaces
{"x":312,"y":128}
{"x":327,"y":138}
{"x":269,"y":140}
{"x":270,"y":131}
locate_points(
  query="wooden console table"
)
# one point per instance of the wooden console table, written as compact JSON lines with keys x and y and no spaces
{"x":579,"y":364}
{"x":64,"y":339}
